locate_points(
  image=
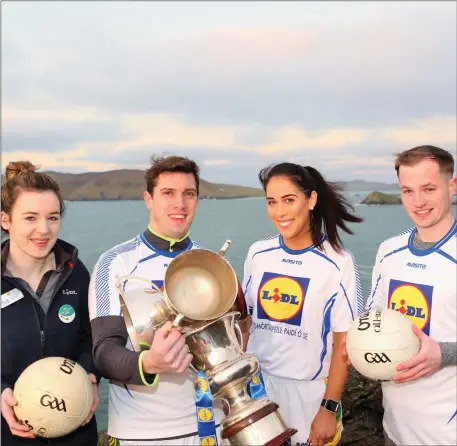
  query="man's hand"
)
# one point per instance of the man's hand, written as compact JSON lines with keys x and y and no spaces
{"x":425,"y":363}
{"x":16,"y":428}
{"x":95,"y":400}
{"x":169,"y":352}
{"x":323,"y":428}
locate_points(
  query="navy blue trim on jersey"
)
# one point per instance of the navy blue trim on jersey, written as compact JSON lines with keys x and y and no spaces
{"x":145,"y":259}
{"x":314,"y":251}
{"x":102,"y":276}
{"x":347,"y":300}
{"x":434,"y":248}
{"x":247,"y":284}
{"x":453,"y":416}
{"x":326,"y":326}
{"x":296,"y":252}
{"x":162,"y":252}
{"x":266,"y":250}
{"x":371,"y":297}
{"x":395,"y":251}
{"x":447,"y":256}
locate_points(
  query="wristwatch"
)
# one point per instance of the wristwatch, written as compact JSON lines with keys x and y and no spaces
{"x":330,"y":405}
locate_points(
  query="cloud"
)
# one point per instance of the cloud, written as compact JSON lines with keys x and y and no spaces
{"x":216,"y":162}
{"x":336,"y":86}
{"x":315,"y":73}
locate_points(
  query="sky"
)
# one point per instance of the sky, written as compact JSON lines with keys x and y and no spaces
{"x":341,"y":86}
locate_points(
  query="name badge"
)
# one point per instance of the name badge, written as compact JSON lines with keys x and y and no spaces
{"x":11,"y":296}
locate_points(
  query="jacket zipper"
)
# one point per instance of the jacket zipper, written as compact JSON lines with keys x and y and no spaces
{"x":41,"y":329}
{"x":59,"y":285}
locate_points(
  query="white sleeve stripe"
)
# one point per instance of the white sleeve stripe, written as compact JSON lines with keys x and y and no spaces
{"x":102,"y":278}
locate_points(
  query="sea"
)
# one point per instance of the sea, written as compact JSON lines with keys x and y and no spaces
{"x":96,"y":226}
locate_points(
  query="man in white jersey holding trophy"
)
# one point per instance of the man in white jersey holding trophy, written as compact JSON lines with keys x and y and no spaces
{"x":416,"y":274}
{"x":151,"y":393}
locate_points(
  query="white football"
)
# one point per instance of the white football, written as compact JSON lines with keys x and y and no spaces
{"x":54,"y":396}
{"x":379,"y":340}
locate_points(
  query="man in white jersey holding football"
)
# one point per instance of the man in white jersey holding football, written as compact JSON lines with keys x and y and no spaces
{"x":151,"y":394}
{"x":303,"y":292}
{"x":415,"y":273}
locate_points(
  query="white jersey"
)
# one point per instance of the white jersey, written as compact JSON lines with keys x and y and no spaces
{"x":297,"y":299}
{"x":135,"y":411}
{"x":422,"y":284}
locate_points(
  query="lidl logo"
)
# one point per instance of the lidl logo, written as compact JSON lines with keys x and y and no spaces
{"x":205,"y":414}
{"x":281,"y":298}
{"x":413,"y":300}
{"x":208,"y":441}
{"x":202,"y":384}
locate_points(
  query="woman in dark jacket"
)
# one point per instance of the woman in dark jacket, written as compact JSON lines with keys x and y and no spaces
{"x":42,"y":274}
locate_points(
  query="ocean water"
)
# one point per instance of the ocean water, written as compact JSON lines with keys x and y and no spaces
{"x":95,"y":227}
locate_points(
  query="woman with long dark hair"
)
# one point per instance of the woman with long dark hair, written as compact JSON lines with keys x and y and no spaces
{"x":303,"y":291}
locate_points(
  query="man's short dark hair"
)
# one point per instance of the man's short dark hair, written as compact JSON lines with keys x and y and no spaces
{"x":161,"y":164}
{"x":417,"y":154}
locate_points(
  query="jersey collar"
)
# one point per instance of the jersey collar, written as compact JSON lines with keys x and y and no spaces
{"x":164,"y":243}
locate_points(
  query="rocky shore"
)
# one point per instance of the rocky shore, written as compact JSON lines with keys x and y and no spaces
{"x":362,"y":413}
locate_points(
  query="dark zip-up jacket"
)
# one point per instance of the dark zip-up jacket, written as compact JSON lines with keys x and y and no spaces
{"x":30,"y":333}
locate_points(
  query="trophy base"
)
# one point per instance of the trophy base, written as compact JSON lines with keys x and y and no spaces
{"x":262,"y":427}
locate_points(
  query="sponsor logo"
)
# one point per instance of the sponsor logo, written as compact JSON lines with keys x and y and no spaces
{"x":202,"y":384}
{"x":412,"y":300}
{"x":68,"y":292}
{"x":365,"y":323}
{"x":67,"y":314}
{"x":205,"y":415}
{"x":377,"y":358}
{"x":292,"y":262}
{"x":416,"y":265}
{"x":281,"y":298}
{"x":208,"y":440}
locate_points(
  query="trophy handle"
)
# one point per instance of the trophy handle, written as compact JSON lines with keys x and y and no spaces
{"x":239,"y":334}
{"x":141,"y":279}
{"x":224,"y":248}
{"x":178,"y":319}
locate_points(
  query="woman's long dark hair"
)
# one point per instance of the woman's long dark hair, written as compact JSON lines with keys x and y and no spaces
{"x":332,"y":209}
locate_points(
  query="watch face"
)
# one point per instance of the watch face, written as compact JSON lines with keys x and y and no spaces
{"x":331,"y":405}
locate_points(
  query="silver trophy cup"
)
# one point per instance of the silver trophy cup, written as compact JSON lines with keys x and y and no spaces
{"x":200,"y":289}
{"x":217,"y":350}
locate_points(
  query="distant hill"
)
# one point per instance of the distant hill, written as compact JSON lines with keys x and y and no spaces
{"x":362,"y":185}
{"x":380,"y":198}
{"x":129,"y":185}
{"x":377,"y":198}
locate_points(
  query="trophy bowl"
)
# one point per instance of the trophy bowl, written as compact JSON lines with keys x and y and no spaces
{"x":200,"y":285}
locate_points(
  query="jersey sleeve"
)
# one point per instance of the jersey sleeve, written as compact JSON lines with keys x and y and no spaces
{"x":109,"y":333}
{"x":247,"y":280}
{"x":103,"y":290}
{"x":375,"y":296}
{"x":349,"y":300}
